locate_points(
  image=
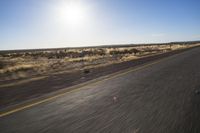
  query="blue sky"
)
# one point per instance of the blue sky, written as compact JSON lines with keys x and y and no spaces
{"x":26,"y":24}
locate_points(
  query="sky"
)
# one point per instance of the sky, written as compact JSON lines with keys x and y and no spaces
{"x":28,"y":24}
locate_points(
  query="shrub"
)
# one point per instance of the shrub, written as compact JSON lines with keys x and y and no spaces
{"x":86,"y":71}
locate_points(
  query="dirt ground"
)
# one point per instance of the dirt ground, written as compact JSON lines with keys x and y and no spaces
{"x":26,"y":64}
{"x":15,"y":91}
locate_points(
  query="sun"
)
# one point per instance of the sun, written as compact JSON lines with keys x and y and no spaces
{"x":73,"y":14}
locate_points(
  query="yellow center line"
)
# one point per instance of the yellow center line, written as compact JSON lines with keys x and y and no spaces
{"x":111,"y":76}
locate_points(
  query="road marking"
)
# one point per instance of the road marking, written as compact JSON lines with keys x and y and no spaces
{"x":36,"y":103}
{"x":110,"y":76}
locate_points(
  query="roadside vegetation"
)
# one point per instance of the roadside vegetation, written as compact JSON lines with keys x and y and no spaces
{"x":28,"y":63}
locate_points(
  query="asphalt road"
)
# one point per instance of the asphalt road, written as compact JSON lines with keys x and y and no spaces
{"x":12,"y":92}
{"x":161,"y":98}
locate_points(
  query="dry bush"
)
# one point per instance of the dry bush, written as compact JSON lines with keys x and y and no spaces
{"x":27,"y":64}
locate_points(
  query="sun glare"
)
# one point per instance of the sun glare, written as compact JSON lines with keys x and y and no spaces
{"x":73,"y":14}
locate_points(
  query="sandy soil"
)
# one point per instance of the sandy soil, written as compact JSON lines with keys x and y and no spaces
{"x":16,"y":66}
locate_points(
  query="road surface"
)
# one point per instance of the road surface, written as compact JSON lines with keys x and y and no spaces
{"x":159,"y":98}
{"x":13,"y":92}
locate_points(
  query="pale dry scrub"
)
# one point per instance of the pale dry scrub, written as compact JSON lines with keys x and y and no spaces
{"x":26,"y":64}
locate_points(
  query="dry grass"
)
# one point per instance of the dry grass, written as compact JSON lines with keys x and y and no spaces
{"x":27,"y":64}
